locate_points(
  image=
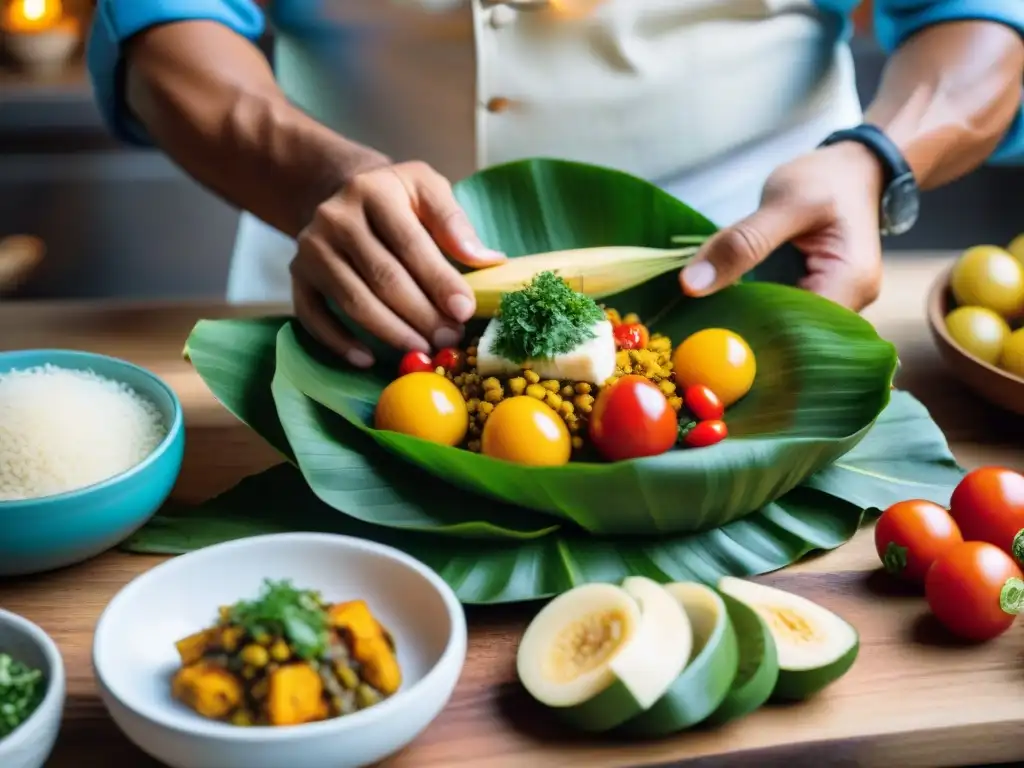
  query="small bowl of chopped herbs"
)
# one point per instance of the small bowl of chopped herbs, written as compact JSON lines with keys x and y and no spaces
{"x":31,"y":693}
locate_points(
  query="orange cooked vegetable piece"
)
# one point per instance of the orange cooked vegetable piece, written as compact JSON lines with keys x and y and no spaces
{"x":295,"y":695}
{"x":210,"y":690}
{"x":371,"y":645}
{"x":192,"y":648}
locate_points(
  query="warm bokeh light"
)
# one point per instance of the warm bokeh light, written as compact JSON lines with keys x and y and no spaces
{"x":33,"y":15}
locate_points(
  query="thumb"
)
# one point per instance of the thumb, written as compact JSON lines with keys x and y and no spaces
{"x":449,"y":225}
{"x":734,"y":251}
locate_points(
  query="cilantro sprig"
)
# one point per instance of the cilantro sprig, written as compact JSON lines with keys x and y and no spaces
{"x":281,"y":609}
{"x":21,"y":692}
{"x":544,"y":319}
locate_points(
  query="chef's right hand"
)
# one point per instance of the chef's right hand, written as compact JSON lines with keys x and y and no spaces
{"x":375,"y":250}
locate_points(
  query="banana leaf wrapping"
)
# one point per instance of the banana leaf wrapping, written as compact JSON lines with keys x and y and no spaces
{"x":819,"y":443}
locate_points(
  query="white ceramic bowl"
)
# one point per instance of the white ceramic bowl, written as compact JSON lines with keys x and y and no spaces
{"x":30,"y":744}
{"x":134,"y":655}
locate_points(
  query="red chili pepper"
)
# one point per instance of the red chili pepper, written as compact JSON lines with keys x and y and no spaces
{"x":701,"y":434}
{"x":703,"y":403}
{"x":631,"y":336}
{"x":451,"y":359}
{"x":415,"y":362}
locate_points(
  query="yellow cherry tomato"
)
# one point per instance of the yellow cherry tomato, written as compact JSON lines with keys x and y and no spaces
{"x":720,"y":360}
{"x":979,"y":331}
{"x":1012,"y":359}
{"x":987,"y":276}
{"x":524,"y":430}
{"x":1016,"y":248}
{"x":425,"y":405}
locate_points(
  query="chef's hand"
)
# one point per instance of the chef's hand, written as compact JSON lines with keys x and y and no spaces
{"x":826,"y":204}
{"x":375,"y":250}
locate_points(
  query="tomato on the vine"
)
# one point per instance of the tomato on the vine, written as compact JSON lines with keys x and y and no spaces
{"x":911,"y":534}
{"x":451,"y":359}
{"x":975,"y":589}
{"x":631,"y":336}
{"x":703,"y":403}
{"x":632,"y":418}
{"x":988,"y":505}
{"x":701,"y":434}
{"x":415,"y":362}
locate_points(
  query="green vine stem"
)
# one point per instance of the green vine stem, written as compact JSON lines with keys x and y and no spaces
{"x":1011,"y":596}
{"x":1017,"y":548}
{"x":895,"y":559}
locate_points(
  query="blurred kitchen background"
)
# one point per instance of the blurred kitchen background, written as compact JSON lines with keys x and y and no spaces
{"x":124,"y":222}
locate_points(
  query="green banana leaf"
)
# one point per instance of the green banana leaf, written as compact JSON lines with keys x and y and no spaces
{"x":823,"y":379}
{"x":823,"y":372}
{"x":805,"y":520}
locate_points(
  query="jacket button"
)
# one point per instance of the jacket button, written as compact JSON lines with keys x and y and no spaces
{"x":502,"y":16}
{"x":498,"y":104}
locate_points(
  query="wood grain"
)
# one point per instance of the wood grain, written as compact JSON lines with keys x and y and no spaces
{"x":914,"y":698}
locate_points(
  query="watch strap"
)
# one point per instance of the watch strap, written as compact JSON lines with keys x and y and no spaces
{"x":894,"y":164}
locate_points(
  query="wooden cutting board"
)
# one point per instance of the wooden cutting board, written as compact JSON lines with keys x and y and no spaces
{"x":914,"y":698}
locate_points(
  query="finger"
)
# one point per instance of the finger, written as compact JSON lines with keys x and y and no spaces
{"x":852,"y":284}
{"x":316,"y":318}
{"x":447,"y":223}
{"x":404,"y":234}
{"x":390,"y":279}
{"x":734,"y":251}
{"x":330,"y":274}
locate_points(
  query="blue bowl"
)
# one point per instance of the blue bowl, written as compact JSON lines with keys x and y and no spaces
{"x":54,"y":531}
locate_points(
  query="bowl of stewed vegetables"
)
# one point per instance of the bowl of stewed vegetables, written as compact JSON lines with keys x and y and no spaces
{"x":299,"y":649}
{"x":976,"y":315}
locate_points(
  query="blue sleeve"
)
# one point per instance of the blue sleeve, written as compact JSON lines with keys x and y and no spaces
{"x":896,"y":20}
{"x":116,"y":21}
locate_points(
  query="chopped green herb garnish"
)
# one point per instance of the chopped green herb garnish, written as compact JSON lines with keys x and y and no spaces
{"x":297,"y":615}
{"x":21,"y":692}
{"x":544,"y":319}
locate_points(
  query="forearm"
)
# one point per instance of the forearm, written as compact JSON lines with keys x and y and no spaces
{"x":209,"y":99}
{"x":948,"y":95}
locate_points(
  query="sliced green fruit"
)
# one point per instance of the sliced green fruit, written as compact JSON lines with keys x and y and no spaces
{"x":706,"y":679}
{"x":598,"y":654}
{"x":758,"y":668}
{"x":815,"y":647}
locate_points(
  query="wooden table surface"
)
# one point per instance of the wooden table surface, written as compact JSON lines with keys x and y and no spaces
{"x":911,"y":699}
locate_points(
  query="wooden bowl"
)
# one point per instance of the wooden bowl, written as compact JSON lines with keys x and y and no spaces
{"x":995,"y":385}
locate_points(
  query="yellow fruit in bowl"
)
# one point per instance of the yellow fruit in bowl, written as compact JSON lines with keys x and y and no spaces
{"x":987,"y":276}
{"x":425,"y":405}
{"x":720,"y":360}
{"x":1016,"y":248}
{"x":1012,"y":359}
{"x":526,"y":431}
{"x":978,"y":331}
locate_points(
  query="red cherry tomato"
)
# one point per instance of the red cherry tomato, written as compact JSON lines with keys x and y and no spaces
{"x":975,"y":589}
{"x":704,"y":433}
{"x":631,"y":336}
{"x":451,"y":359}
{"x":632,"y":418}
{"x":910,"y":535}
{"x":416,"y":362}
{"x":988,"y":505}
{"x":703,"y":403}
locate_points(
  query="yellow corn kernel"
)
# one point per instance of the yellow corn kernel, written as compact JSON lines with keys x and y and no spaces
{"x":531,"y":377}
{"x":536,"y":391}
{"x":517,"y":385}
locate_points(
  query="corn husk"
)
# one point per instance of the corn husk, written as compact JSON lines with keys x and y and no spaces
{"x":595,"y":272}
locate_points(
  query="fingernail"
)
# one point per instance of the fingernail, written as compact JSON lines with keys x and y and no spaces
{"x":460,"y":307}
{"x":446,"y":337}
{"x":359,"y":358}
{"x":699,"y":276}
{"x":480,"y":251}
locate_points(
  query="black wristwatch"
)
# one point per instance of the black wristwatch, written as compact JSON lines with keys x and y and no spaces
{"x":901,"y":199}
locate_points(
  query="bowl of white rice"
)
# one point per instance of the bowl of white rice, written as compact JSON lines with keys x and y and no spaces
{"x":90,"y":448}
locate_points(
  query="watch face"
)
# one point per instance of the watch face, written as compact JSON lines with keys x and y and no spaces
{"x":901,"y":205}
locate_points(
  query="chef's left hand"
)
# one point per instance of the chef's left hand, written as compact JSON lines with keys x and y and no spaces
{"x":826,"y":204}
